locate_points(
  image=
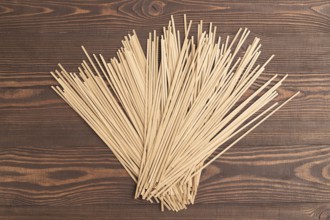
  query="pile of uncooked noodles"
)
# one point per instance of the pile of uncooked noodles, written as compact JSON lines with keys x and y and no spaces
{"x":165,"y":111}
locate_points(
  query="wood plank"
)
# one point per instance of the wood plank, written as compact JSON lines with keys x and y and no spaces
{"x":278,"y":16}
{"x":300,"y":211}
{"x":27,"y":64}
{"x":39,"y":117}
{"x":64,"y":175}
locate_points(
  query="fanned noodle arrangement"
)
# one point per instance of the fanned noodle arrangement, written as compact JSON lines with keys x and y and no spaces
{"x":164,"y":112}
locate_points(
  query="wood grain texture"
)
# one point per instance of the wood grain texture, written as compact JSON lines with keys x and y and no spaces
{"x":91,"y":175}
{"x":53,"y":166}
{"x":300,"y":211}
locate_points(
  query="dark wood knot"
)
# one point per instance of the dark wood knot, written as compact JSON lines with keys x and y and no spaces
{"x":325,"y":215}
{"x":156,"y":8}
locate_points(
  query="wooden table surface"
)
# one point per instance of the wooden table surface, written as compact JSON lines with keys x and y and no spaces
{"x":53,"y":166}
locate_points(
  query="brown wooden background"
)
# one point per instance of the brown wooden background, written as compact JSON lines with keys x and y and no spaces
{"x":52,"y":165}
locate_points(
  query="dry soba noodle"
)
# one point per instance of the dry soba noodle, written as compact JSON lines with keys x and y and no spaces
{"x":165,"y":111}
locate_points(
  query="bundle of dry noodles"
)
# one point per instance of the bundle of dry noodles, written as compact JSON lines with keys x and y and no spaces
{"x":165,"y":111}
